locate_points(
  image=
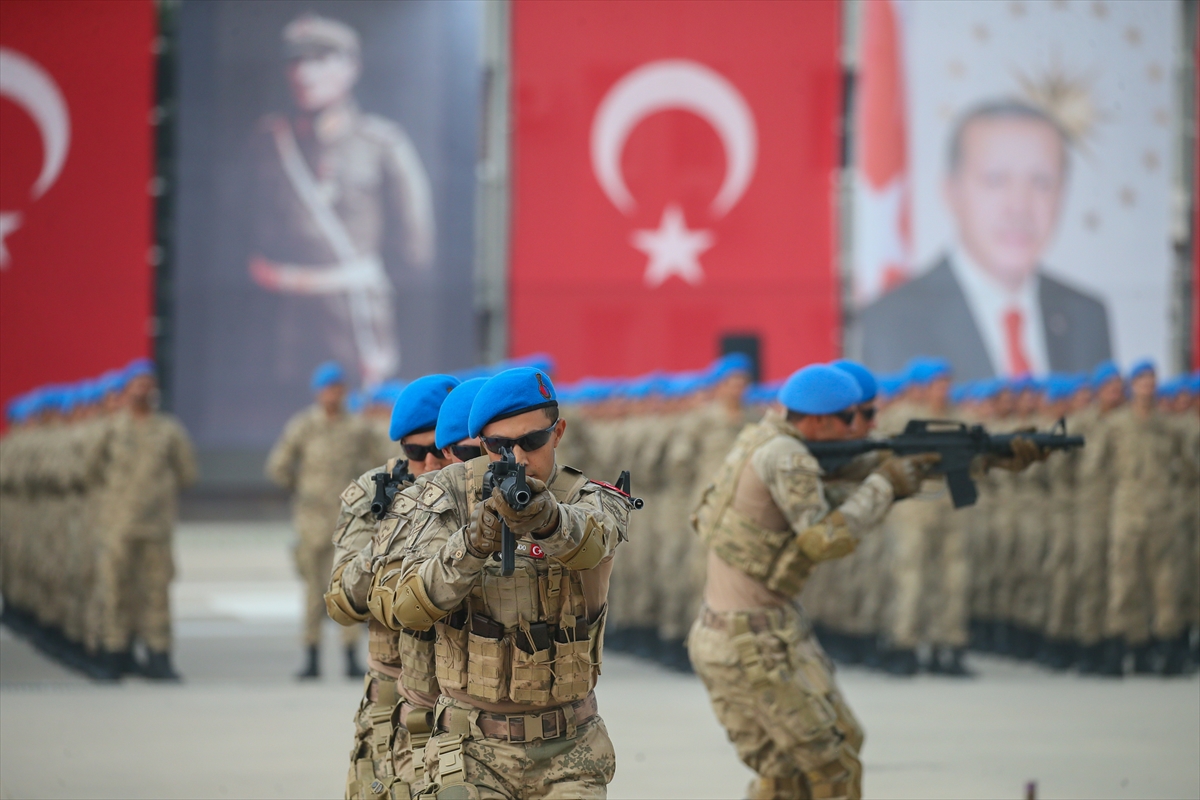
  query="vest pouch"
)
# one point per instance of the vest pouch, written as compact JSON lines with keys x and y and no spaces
{"x":381,"y":643}
{"x":417,"y":661}
{"x":450,"y":650}
{"x":572,"y":660}
{"x":489,"y":661}
{"x":531,"y":673}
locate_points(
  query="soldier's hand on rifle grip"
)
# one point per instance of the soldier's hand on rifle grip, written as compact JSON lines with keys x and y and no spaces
{"x":540,"y":517}
{"x":1024,"y":454}
{"x":483,"y":532}
{"x":905,"y":473}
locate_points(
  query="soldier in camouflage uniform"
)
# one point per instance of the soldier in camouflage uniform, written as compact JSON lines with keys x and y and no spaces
{"x":766,"y":523}
{"x":321,"y":450}
{"x":382,"y":754}
{"x":1059,"y":651}
{"x":150,"y":461}
{"x":515,"y":657}
{"x":1145,"y":555}
{"x":1095,"y":484}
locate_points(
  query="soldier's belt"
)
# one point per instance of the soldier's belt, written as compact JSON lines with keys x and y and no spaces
{"x":552,"y":723}
{"x":739,"y":621}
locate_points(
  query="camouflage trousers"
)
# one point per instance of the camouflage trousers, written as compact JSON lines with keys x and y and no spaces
{"x":1147,"y":564}
{"x":381,"y":760}
{"x":1089,"y":566}
{"x":566,"y":768}
{"x":772,"y":689}
{"x":930,"y":574}
{"x":133,"y":578}
{"x":314,"y":562}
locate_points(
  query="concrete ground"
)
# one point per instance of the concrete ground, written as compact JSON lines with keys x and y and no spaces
{"x":241,"y":727}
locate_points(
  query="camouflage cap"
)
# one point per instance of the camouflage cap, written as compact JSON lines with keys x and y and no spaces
{"x":313,"y":35}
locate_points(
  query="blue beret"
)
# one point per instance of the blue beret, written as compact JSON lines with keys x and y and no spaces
{"x":863,"y":376}
{"x":819,"y":389}
{"x":730,"y":363}
{"x":923,"y":370}
{"x":456,"y":412}
{"x":137,"y":368}
{"x":510,"y":393}
{"x":1192,"y":384}
{"x":892,"y":385}
{"x":327,"y":374}
{"x":417,"y":407}
{"x":1170,"y":389}
{"x":1103,"y":373}
{"x":1145,"y":365}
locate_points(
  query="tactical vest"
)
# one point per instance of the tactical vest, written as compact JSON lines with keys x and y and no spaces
{"x":768,"y":556}
{"x":523,"y":638}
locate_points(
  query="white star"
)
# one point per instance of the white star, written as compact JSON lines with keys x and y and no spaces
{"x":9,"y":222}
{"x":673,"y":249}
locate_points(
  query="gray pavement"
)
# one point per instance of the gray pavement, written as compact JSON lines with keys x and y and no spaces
{"x":241,"y":727}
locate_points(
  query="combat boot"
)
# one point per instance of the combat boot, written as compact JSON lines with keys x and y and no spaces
{"x":1112,"y":663}
{"x":312,"y":668}
{"x":1143,"y":658}
{"x":105,"y":667}
{"x":1174,"y":655}
{"x":158,"y":667}
{"x":1090,"y":658}
{"x":616,"y":639}
{"x":871,"y":658}
{"x":855,"y":651}
{"x":353,"y":669}
{"x":644,"y":642}
{"x":953,"y":662}
{"x":1001,"y":638}
{"x":1060,"y":656}
{"x":901,"y":662}
{"x":673,"y":654}
{"x":981,"y":636}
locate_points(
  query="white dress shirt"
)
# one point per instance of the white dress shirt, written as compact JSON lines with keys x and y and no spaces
{"x":989,"y":301}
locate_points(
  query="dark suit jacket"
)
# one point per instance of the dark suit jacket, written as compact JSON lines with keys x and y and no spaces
{"x":929,"y":316}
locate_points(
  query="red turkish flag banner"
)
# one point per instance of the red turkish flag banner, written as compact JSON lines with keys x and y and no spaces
{"x":675,"y":168}
{"x":76,"y":154}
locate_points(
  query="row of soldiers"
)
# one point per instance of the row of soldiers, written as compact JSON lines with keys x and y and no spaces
{"x":89,"y":480}
{"x":1075,"y":562}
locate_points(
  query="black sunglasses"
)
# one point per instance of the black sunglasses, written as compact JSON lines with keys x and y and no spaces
{"x":465,"y":452}
{"x":847,"y":417}
{"x":418,"y":452}
{"x":868,"y":413}
{"x":535,"y":440}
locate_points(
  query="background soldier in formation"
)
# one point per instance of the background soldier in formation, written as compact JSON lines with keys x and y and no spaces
{"x":321,"y":450}
{"x":90,"y":476}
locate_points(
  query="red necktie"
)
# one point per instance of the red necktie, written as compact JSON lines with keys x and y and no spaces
{"x":1018,"y":362}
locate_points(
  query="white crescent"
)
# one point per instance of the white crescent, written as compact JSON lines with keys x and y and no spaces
{"x":31,"y":87}
{"x":674,"y":83}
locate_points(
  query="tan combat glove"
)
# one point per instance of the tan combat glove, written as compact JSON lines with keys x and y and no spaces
{"x":905,"y":473}
{"x":538,"y":519}
{"x":1024,"y":454}
{"x":483,"y":532}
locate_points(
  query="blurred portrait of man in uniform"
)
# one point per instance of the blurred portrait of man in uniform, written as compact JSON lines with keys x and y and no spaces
{"x":341,"y":204}
{"x":988,"y":304}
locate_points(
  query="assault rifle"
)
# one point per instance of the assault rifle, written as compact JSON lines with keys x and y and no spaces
{"x":957,"y":442}
{"x":509,"y":477}
{"x":386,"y":486}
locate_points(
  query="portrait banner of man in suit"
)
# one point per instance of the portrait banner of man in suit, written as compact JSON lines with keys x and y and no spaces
{"x":1039,"y":179}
